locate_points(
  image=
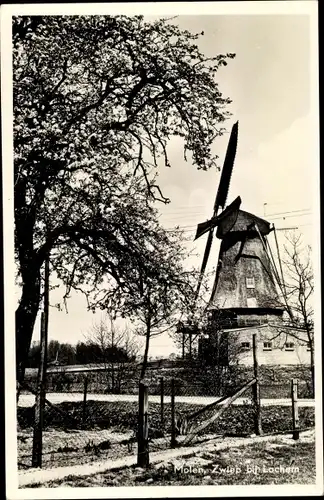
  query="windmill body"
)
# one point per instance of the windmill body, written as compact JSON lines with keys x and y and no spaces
{"x":244,"y":288}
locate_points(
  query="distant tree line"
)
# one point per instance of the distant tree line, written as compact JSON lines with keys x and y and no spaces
{"x":79,"y":354}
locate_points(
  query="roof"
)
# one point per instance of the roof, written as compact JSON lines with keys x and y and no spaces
{"x":241,"y":223}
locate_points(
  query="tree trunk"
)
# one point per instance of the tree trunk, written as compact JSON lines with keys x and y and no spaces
{"x":26,"y":314}
{"x":147,"y":345}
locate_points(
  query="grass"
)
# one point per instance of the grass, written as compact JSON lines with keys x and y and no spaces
{"x":69,"y":442}
{"x":261,"y":463}
{"x":74,"y":448}
{"x":122,"y":416}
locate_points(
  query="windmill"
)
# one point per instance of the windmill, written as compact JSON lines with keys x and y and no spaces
{"x":244,"y":290}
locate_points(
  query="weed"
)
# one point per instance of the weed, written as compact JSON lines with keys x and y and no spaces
{"x":66,"y":449}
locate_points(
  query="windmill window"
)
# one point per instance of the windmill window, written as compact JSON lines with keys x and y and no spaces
{"x":246,"y":345}
{"x":250,"y":283}
{"x":289,"y":346}
{"x":267,"y":346}
{"x":308,"y":346}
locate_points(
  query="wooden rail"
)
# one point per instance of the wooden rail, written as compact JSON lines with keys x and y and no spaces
{"x":206,"y":408}
{"x":220,"y":411}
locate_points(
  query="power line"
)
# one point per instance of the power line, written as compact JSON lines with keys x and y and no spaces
{"x":288,"y":216}
{"x":183,"y":216}
{"x":290,"y":212}
{"x":278,"y":215}
{"x":180,"y":228}
{"x":193,"y":226}
{"x":283,"y":214}
{"x":193,"y":207}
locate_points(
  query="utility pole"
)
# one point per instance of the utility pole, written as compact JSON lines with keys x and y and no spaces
{"x":41,"y":378}
{"x":112,"y":327}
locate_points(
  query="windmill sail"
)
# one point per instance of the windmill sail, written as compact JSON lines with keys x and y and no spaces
{"x":227,"y":170}
{"x":220,"y":200}
{"x":229,"y":214}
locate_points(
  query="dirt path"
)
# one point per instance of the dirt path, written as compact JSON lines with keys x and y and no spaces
{"x":38,"y":476}
{"x":26,"y":400}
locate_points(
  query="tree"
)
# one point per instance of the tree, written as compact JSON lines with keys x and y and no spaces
{"x":82,"y":354}
{"x":116,"y":350}
{"x":96,"y":100}
{"x":156,"y":297}
{"x":53,"y":351}
{"x":196,"y":321}
{"x":62,"y":353}
{"x":214,"y":363}
{"x":66,"y":354}
{"x":298,"y":287}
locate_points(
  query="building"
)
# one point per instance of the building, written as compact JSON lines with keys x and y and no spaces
{"x":245,"y":300}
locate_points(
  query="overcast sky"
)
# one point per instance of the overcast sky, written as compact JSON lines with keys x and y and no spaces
{"x":270,"y":84}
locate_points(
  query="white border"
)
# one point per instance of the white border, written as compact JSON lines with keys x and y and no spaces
{"x":158,"y":9}
{"x":166,"y":8}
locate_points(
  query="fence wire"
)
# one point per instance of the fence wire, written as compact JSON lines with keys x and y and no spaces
{"x":84,"y":421}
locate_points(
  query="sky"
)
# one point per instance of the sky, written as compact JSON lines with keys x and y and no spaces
{"x":275,"y":172}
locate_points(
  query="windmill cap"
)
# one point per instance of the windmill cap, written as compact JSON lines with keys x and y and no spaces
{"x":243,"y":221}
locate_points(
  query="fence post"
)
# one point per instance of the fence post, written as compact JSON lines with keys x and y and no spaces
{"x":294,"y":405}
{"x":256,"y":390}
{"x":142,"y":448}
{"x":84,"y":407}
{"x":183,"y":345}
{"x":173,"y":427}
{"x":162,"y":402}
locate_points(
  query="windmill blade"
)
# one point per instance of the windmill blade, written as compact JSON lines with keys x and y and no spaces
{"x":227,"y":169}
{"x":204,"y":227}
{"x":221,"y":197}
{"x":231,"y":210}
{"x":205,"y":260}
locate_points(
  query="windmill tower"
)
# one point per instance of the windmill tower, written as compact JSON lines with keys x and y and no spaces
{"x":245,"y":286}
{"x":244,"y":291}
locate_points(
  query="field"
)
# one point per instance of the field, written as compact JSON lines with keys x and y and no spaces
{"x":103,"y":433}
{"x":109,"y":429}
{"x":279,"y":461}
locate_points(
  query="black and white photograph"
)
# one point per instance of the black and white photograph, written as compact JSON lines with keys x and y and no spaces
{"x":161,"y":249}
